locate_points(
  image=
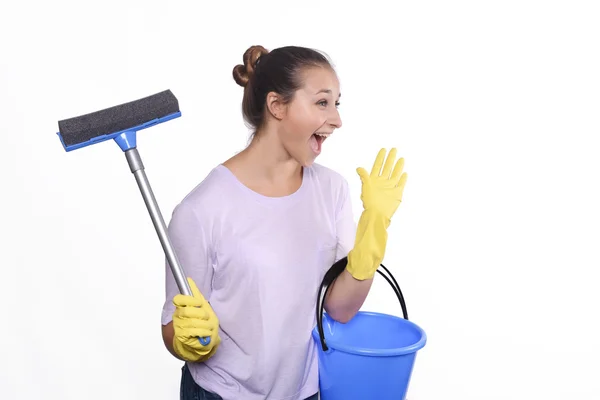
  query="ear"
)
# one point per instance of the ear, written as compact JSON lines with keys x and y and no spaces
{"x":275,"y":106}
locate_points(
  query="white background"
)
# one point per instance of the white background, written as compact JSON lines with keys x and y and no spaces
{"x":494,"y":105}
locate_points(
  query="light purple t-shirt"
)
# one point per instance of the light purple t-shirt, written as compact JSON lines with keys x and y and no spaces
{"x":259,"y":261}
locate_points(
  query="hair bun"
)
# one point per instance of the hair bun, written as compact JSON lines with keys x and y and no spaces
{"x":243,"y":73}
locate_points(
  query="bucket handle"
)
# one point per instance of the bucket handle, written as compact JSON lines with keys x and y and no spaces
{"x":336,"y":269}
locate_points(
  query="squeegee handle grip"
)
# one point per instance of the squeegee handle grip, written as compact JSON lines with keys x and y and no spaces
{"x":137,"y":168}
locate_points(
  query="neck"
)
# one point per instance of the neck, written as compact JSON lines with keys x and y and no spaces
{"x":266,"y":159}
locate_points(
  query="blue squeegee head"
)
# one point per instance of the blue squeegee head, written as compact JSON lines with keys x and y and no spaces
{"x":119,"y":122}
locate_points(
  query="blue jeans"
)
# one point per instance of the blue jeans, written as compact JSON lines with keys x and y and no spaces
{"x":189,"y":389}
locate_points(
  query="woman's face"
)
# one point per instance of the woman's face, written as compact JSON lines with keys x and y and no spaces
{"x":311,"y":116}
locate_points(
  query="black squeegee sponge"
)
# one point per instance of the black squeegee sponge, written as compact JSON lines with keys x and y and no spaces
{"x":118,"y":118}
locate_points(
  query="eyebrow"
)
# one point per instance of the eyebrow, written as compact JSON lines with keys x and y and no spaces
{"x":327,"y":91}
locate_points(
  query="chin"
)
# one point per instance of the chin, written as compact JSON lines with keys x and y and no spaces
{"x":303,"y":157}
{"x":307,"y":161}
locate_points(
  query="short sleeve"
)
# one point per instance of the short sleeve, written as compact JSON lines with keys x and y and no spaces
{"x":192,"y":247}
{"x":344,"y":223}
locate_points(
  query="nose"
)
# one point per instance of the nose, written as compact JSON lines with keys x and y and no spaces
{"x":334,"y":119}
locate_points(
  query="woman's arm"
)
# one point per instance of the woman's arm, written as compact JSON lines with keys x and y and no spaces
{"x":381,"y":195}
{"x":346,"y":296}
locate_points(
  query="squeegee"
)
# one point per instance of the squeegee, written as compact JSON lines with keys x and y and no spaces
{"x":121,"y":124}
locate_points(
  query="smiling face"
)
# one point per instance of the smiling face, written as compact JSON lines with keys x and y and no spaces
{"x":311,"y":116}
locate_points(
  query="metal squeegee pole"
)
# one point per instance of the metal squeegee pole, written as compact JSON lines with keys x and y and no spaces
{"x":137,"y":168}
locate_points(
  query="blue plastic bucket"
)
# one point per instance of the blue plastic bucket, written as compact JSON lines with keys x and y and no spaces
{"x":370,"y":357}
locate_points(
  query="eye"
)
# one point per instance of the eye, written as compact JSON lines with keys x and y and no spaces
{"x":324,"y":103}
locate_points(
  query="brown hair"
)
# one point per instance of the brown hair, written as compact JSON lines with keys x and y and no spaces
{"x":278,"y":71}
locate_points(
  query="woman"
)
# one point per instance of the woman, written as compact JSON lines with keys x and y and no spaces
{"x":257,"y":235}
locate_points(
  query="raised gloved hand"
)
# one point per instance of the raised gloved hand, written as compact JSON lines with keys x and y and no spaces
{"x":382,"y":192}
{"x":194,"y":318}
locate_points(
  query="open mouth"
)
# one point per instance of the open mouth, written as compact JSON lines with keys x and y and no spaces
{"x":317,"y":139}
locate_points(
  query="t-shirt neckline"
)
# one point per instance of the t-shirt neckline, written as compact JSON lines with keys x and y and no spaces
{"x":262,"y":198}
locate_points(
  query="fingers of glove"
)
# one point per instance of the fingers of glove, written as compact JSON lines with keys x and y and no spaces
{"x":191,"y":348}
{"x":192,"y":313}
{"x":398,"y":170}
{"x":363,"y":174}
{"x":194,"y":343}
{"x":389,"y":162}
{"x":191,"y":336}
{"x":195,"y":291}
{"x":402,"y":180}
{"x":202,"y":352}
{"x":185,"y":352}
{"x":378,"y":163}
{"x":181,"y":300}
{"x":188,"y":323}
{"x":183,"y":331}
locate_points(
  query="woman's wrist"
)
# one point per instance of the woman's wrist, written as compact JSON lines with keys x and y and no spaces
{"x":369,"y":245}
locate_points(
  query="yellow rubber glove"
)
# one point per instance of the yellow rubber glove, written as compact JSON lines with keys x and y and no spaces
{"x":194,"y":318}
{"x":382,"y":192}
